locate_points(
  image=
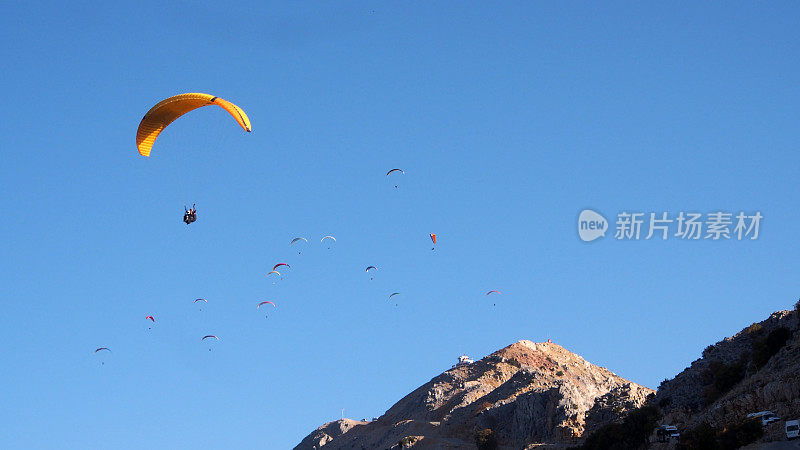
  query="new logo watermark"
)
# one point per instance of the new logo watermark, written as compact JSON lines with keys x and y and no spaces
{"x":591,"y":225}
{"x":689,"y":226}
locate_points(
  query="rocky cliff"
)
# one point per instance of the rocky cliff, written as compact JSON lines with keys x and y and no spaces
{"x":527,"y":394}
{"x":729,"y":380}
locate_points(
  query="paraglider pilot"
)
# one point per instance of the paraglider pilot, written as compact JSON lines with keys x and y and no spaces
{"x":189,"y":215}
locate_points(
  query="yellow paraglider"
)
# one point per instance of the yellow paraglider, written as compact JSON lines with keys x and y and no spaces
{"x":166,"y":111}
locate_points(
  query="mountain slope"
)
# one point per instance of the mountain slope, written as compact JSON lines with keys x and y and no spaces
{"x":527,"y":393}
{"x":727,"y":382}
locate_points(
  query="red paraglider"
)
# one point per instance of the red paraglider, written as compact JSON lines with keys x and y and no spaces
{"x":151,"y":318}
{"x":280,"y":264}
{"x":259,"y":305}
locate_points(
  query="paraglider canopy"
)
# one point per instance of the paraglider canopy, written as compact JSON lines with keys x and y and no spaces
{"x":102,"y":348}
{"x":167,"y":110}
{"x":497,"y":292}
{"x":280,"y":264}
{"x":209,"y":336}
{"x":262,"y":303}
{"x":151,"y":318}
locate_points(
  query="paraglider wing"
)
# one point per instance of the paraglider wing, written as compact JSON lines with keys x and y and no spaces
{"x":280,"y":264}
{"x":396,"y":293}
{"x":298,"y":239}
{"x":274,"y":271}
{"x":395,"y":170}
{"x":200,"y":300}
{"x":167,"y":110}
{"x":371,"y":267}
{"x":328,"y":237}
{"x":433,"y":238}
{"x":209,"y":336}
{"x":151,"y":318}
{"x":497,"y":292}
{"x":102,"y":348}
{"x":259,"y":305}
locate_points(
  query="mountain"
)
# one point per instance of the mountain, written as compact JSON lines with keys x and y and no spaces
{"x":522,"y":395}
{"x":536,"y":395}
{"x":755,"y":370}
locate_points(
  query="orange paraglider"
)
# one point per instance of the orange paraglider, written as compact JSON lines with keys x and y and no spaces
{"x":167,"y":110}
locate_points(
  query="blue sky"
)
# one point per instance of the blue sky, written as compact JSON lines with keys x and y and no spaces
{"x":507,"y":119}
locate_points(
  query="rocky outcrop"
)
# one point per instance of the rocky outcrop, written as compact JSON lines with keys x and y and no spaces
{"x":328,"y":432}
{"x":615,"y":405}
{"x":775,"y":386}
{"x":527,"y":393}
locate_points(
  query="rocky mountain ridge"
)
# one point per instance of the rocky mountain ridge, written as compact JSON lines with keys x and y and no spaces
{"x":540,"y":395}
{"x":527,"y":393}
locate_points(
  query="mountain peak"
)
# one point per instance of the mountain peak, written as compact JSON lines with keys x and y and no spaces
{"x":528,"y":392}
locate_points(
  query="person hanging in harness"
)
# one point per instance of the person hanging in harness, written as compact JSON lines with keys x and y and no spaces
{"x":189,"y":215}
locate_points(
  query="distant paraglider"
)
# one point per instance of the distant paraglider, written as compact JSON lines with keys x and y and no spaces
{"x":395,"y":170}
{"x":297,"y":239}
{"x":495,"y":292}
{"x":392,"y":295}
{"x":433,"y":238}
{"x":276,"y":273}
{"x":208,"y":337}
{"x":200,"y":300}
{"x":280,"y":264}
{"x":102,"y":363}
{"x":371,"y":267}
{"x":328,"y":237}
{"x":151,"y":319}
{"x":263,"y":303}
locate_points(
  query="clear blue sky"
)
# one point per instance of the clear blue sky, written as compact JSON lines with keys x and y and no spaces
{"x":508,"y":120}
